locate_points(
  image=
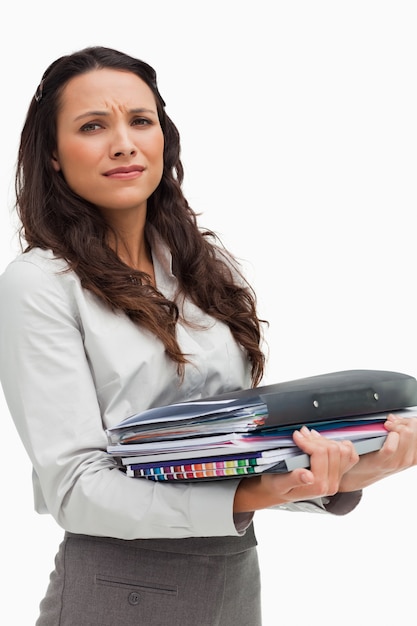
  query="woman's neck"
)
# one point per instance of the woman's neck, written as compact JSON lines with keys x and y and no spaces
{"x":128,"y":240}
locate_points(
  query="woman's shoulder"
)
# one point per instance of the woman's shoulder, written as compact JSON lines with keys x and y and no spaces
{"x":35,"y":270}
{"x":45,"y":260}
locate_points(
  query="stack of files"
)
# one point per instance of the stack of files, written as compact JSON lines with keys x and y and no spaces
{"x":248,"y":432}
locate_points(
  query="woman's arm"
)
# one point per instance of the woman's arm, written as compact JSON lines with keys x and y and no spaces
{"x":51,"y":394}
{"x":335,"y":468}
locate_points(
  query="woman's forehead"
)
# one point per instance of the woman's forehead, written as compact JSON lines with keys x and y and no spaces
{"x":107,"y":87}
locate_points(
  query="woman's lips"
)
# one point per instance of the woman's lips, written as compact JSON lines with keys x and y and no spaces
{"x":125,"y":173}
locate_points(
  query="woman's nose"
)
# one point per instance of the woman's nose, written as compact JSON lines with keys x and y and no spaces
{"x":124,"y":152}
{"x":122,"y":144}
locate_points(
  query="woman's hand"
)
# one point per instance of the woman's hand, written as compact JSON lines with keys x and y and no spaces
{"x":329,"y":462}
{"x":399,"y":452}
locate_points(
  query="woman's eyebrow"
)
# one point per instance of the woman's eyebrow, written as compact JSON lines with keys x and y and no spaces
{"x":105,"y":113}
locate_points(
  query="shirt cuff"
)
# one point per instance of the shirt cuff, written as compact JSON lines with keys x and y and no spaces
{"x":339,"y":504}
{"x":342,"y":503}
{"x":242,"y":521}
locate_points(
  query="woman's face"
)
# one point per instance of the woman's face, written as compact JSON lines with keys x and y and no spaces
{"x":109,"y":140}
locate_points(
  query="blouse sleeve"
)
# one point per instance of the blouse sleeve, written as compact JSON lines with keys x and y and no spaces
{"x":51,"y":396}
{"x":339,"y":504}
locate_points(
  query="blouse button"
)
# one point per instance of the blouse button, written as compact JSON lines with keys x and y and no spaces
{"x":133,"y":598}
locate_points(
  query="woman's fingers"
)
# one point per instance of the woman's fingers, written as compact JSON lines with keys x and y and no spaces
{"x":311,"y":442}
{"x":329,"y":461}
{"x":400,"y":447}
{"x":398,"y":453}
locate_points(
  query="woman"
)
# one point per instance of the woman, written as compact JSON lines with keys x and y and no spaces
{"x":120,"y":303}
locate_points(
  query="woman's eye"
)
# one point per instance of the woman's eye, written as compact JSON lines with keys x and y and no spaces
{"x":141,"y":121}
{"x":90,"y":126}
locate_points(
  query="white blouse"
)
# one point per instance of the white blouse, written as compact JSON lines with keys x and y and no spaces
{"x":70,"y":368}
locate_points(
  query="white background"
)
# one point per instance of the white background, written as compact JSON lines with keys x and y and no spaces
{"x":298,"y":123}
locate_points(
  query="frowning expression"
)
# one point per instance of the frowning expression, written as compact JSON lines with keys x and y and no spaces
{"x":109,"y":140}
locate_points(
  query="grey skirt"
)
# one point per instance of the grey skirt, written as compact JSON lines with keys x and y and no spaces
{"x":185,"y":582}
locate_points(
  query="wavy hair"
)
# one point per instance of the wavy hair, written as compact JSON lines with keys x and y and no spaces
{"x":53,"y":217}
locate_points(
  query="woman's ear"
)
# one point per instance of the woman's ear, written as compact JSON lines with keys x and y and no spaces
{"x":55,"y":162}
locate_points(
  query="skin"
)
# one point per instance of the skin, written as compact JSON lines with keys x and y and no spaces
{"x":398,"y":453}
{"x":108,"y":120}
{"x":334,"y":467}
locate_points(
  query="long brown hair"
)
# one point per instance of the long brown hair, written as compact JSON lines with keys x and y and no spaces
{"x":54,"y":217}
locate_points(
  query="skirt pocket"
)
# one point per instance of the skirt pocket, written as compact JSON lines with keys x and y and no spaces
{"x":135,"y":590}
